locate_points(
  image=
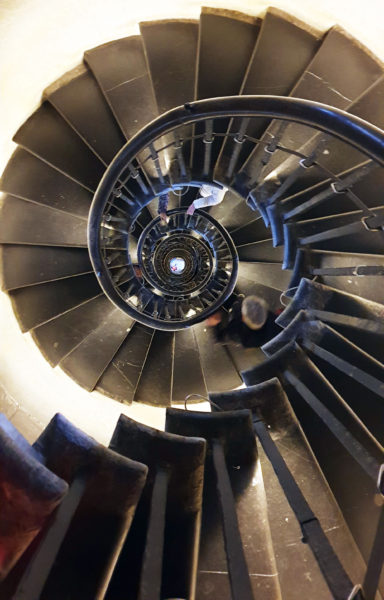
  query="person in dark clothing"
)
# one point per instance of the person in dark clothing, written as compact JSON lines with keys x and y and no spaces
{"x":248,"y":322}
{"x":162,"y":208}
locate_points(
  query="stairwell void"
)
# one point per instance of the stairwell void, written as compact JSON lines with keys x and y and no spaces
{"x":278,"y":492}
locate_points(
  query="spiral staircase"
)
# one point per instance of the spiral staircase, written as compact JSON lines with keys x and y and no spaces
{"x":278,"y":492}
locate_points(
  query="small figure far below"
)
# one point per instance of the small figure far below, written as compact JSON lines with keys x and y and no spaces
{"x":209,"y":196}
{"x":162,"y":208}
{"x":248,"y":322}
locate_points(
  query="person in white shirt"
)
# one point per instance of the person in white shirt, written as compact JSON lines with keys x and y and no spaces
{"x":209,"y":196}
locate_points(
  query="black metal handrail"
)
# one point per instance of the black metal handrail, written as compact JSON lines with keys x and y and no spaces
{"x":137,"y":169}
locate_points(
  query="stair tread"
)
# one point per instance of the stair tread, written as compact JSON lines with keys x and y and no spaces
{"x":250,"y":231}
{"x":348,"y":382}
{"x":245,"y":358}
{"x":269,"y":401}
{"x":328,"y":68}
{"x":341,"y":70}
{"x":36,"y":304}
{"x":285,"y":528}
{"x":219,"y":371}
{"x":170,"y":45}
{"x":230,"y":59}
{"x":260,"y":251}
{"x":26,"y":223}
{"x":114,"y":385}
{"x":327,"y":233}
{"x":231,"y":434}
{"x":79,"y":100}
{"x":329,"y":266}
{"x":181,"y":459}
{"x":87,"y":361}
{"x":29,"y":178}
{"x":342,"y":473}
{"x":267,"y":274}
{"x":232,"y":212}
{"x":40,"y":134}
{"x":155,"y":383}
{"x":28,"y":265}
{"x":59,"y":336}
{"x":367,"y":189}
{"x":121,"y":71}
{"x":120,"y":378}
{"x":188,"y":377}
{"x":98,"y":529}
{"x":321,"y":297}
{"x":341,"y":156}
{"x":275,"y":68}
{"x":340,"y":468}
{"x":293,"y":365}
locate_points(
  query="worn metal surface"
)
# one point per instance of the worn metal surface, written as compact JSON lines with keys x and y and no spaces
{"x":40,"y":135}
{"x":183,"y":459}
{"x":151,"y":572}
{"x":30,"y":178}
{"x":268,"y":400}
{"x":122,"y":74}
{"x":87,"y":361}
{"x":39,"y":303}
{"x":155,"y":383}
{"x":188,"y":377}
{"x":34,"y":578}
{"x":91,"y":548}
{"x":275,"y":68}
{"x":247,"y":487}
{"x":237,"y":567}
{"x":31,"y":224}
{"x":120,"y":378}
{"x":170,"y":45}
{"x":79,"y":100}
{"x":37,"y":264}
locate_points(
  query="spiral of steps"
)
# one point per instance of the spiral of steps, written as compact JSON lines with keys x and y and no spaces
{"x":278,"y":492}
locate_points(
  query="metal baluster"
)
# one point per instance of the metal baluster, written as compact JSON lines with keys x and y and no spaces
{"x":208,"y":140}
{"x":239,"y":139}
{"x":267,"y":153}
{"x":135,"y":174}
{"x":156,"y":161}
{"x":341,"y":186}
{"x":304,"y":163}
{"x":178,"y":145}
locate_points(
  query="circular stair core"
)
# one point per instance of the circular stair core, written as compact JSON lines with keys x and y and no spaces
{"x":185,"y":271}
{"x":49,"y":187}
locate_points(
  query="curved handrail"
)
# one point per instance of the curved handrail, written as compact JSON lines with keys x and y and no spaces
{"x":364,"y":136}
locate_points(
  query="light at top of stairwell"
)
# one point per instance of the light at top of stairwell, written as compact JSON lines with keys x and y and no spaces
{"x":177,"y":265}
